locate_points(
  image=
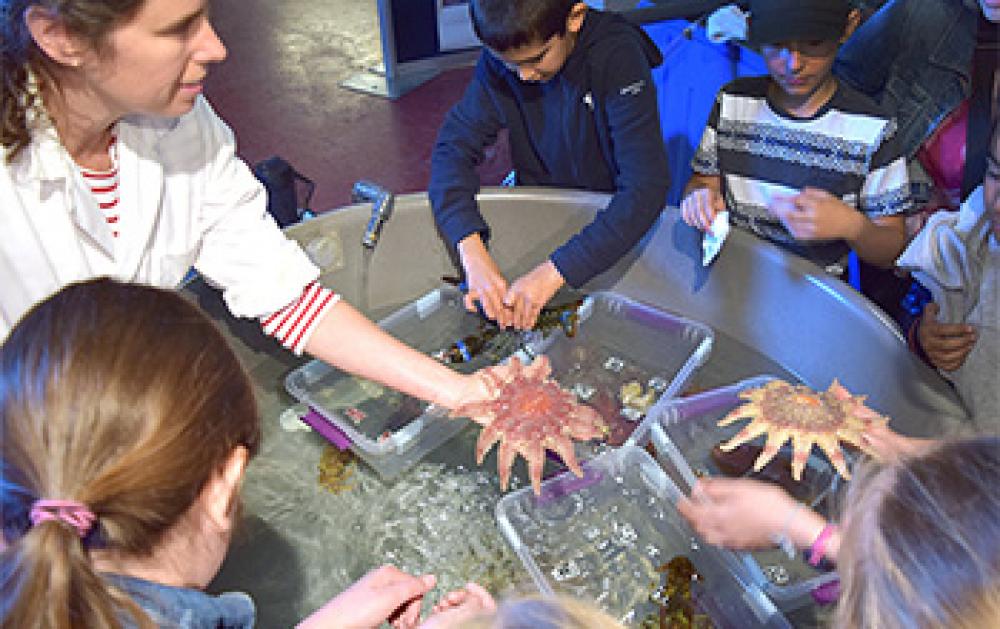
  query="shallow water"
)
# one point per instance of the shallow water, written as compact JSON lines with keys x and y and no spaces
{"x":301,"y":544}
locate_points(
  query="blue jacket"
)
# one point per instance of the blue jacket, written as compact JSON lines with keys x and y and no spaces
{"x":183,"y":608}
{"x":593,"y":126}
{"x":914,"y":57}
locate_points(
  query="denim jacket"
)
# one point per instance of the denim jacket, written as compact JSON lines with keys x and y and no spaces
{"x":915,"y":58}
{"x":183,"y":608}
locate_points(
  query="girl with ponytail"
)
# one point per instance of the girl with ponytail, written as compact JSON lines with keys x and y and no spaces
{"x":126,"y":424}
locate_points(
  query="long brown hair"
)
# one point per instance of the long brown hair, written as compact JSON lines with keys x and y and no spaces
{"x":921,"y":546}
{"x":122,"y":397}
{"x":19,"y":56}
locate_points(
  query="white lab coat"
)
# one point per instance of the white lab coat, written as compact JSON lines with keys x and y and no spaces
{"x":185,"y":200}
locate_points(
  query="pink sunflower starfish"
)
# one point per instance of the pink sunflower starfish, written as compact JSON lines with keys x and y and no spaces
{"x":529,"y":413}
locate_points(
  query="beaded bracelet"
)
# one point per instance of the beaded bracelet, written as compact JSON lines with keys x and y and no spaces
{"x":782,"y":539}
{"x":818,"y":548}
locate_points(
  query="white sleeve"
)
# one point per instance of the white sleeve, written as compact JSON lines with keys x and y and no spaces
{"x":243,"y":251}
{"x":945,"y":256}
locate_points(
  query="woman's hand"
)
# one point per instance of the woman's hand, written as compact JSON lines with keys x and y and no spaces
{"x":745,"y":514}
{"x":531,"y":292}
{"x":454,"y":608}
{"x":486,"y":284}
{"x":947,"y":345}
{"x":384,"y":594}
{"x":700,"y":206}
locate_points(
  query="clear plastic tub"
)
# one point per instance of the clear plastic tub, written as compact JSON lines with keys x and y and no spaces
{"x":388,"y":430}
{"x":683,"y":435}
{"x":617,"y":341}
{"x":625,"y":357}
{"x":607,"y":538}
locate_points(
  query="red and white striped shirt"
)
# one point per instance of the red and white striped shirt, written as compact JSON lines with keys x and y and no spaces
{"x":103,"y":185}
{"x":294,"y":324}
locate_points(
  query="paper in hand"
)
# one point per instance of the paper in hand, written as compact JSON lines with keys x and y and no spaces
{"x":712,"y":241}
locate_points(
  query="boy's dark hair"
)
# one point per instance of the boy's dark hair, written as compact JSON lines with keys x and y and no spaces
{"x":505,"y":24}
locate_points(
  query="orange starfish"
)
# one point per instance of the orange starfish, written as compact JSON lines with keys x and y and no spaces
{"x":796,"y":412}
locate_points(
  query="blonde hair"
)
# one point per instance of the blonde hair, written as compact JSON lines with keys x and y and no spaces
{"x":20,"y":57}
{"x":537,"y":612}
{"x":921,"y":546}
{"x":126,"y":399}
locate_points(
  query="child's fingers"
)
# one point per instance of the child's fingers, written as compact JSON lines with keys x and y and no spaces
{"x":718,"y":203}
{"x":954,"y":356}
{"x":470,"y":300}
{"x":707,"y":217}
{"x":483,"y":596}
{"x":949,"y":343}
{"x":952,"y":331}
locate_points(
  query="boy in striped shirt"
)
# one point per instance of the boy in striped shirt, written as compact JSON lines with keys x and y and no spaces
{"x":798,"y":158}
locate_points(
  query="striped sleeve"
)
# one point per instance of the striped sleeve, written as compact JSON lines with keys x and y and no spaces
{"x":706,"y":157}
{"x":294,"y":324}
{"x":886,"y":189}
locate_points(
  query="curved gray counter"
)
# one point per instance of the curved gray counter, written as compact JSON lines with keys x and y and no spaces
{"x":771,"y":312}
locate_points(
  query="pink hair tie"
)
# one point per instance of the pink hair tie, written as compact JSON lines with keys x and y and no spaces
{"x":75,"y":514}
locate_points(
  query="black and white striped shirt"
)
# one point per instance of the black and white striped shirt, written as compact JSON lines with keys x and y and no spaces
{"x":847,"y":149}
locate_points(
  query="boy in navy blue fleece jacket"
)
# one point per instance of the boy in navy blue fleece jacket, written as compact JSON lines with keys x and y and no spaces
{"x":573,"y":88}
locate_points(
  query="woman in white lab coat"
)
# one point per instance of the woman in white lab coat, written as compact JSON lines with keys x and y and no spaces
{"x":115,"y":165}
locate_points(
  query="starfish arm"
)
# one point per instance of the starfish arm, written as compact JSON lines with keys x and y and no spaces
{"x":775,"y":440}
{"x":853,"y":436}
{"x":564,"y":448}
{"x":750,"y":432}
{"x":831,"y":447}
{"x":534,"y":454}
{"x":487,"y":437}
{"x":505,"y":461}
{"x":801,"y":448}
{"x":750,"y":409}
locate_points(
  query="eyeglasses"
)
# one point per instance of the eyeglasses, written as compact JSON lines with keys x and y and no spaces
{"x":529,"y":63}
{"x":813,"y":48}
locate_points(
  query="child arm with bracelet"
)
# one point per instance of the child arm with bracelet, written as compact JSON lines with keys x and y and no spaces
{"x":745,"y":514}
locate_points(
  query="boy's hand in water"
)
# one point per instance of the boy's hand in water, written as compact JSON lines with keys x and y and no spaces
{"x":486,"y":284}
{"x":386,"y":594}
{"x":528,"y":295}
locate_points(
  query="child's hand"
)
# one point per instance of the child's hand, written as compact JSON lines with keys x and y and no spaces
{"x":384,"y":594}
{"x":454,"y":608}
{"x":817,"y":215}
{"x":486,"y":284}
{"x":698,"y":209}
{"x":887,"y":445}
{"x":946,"y":344}
{"x":747,"y":514}
{"x":530,"y":292}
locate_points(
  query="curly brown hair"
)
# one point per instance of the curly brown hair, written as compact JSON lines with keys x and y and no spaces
{"x":20,"y":56}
